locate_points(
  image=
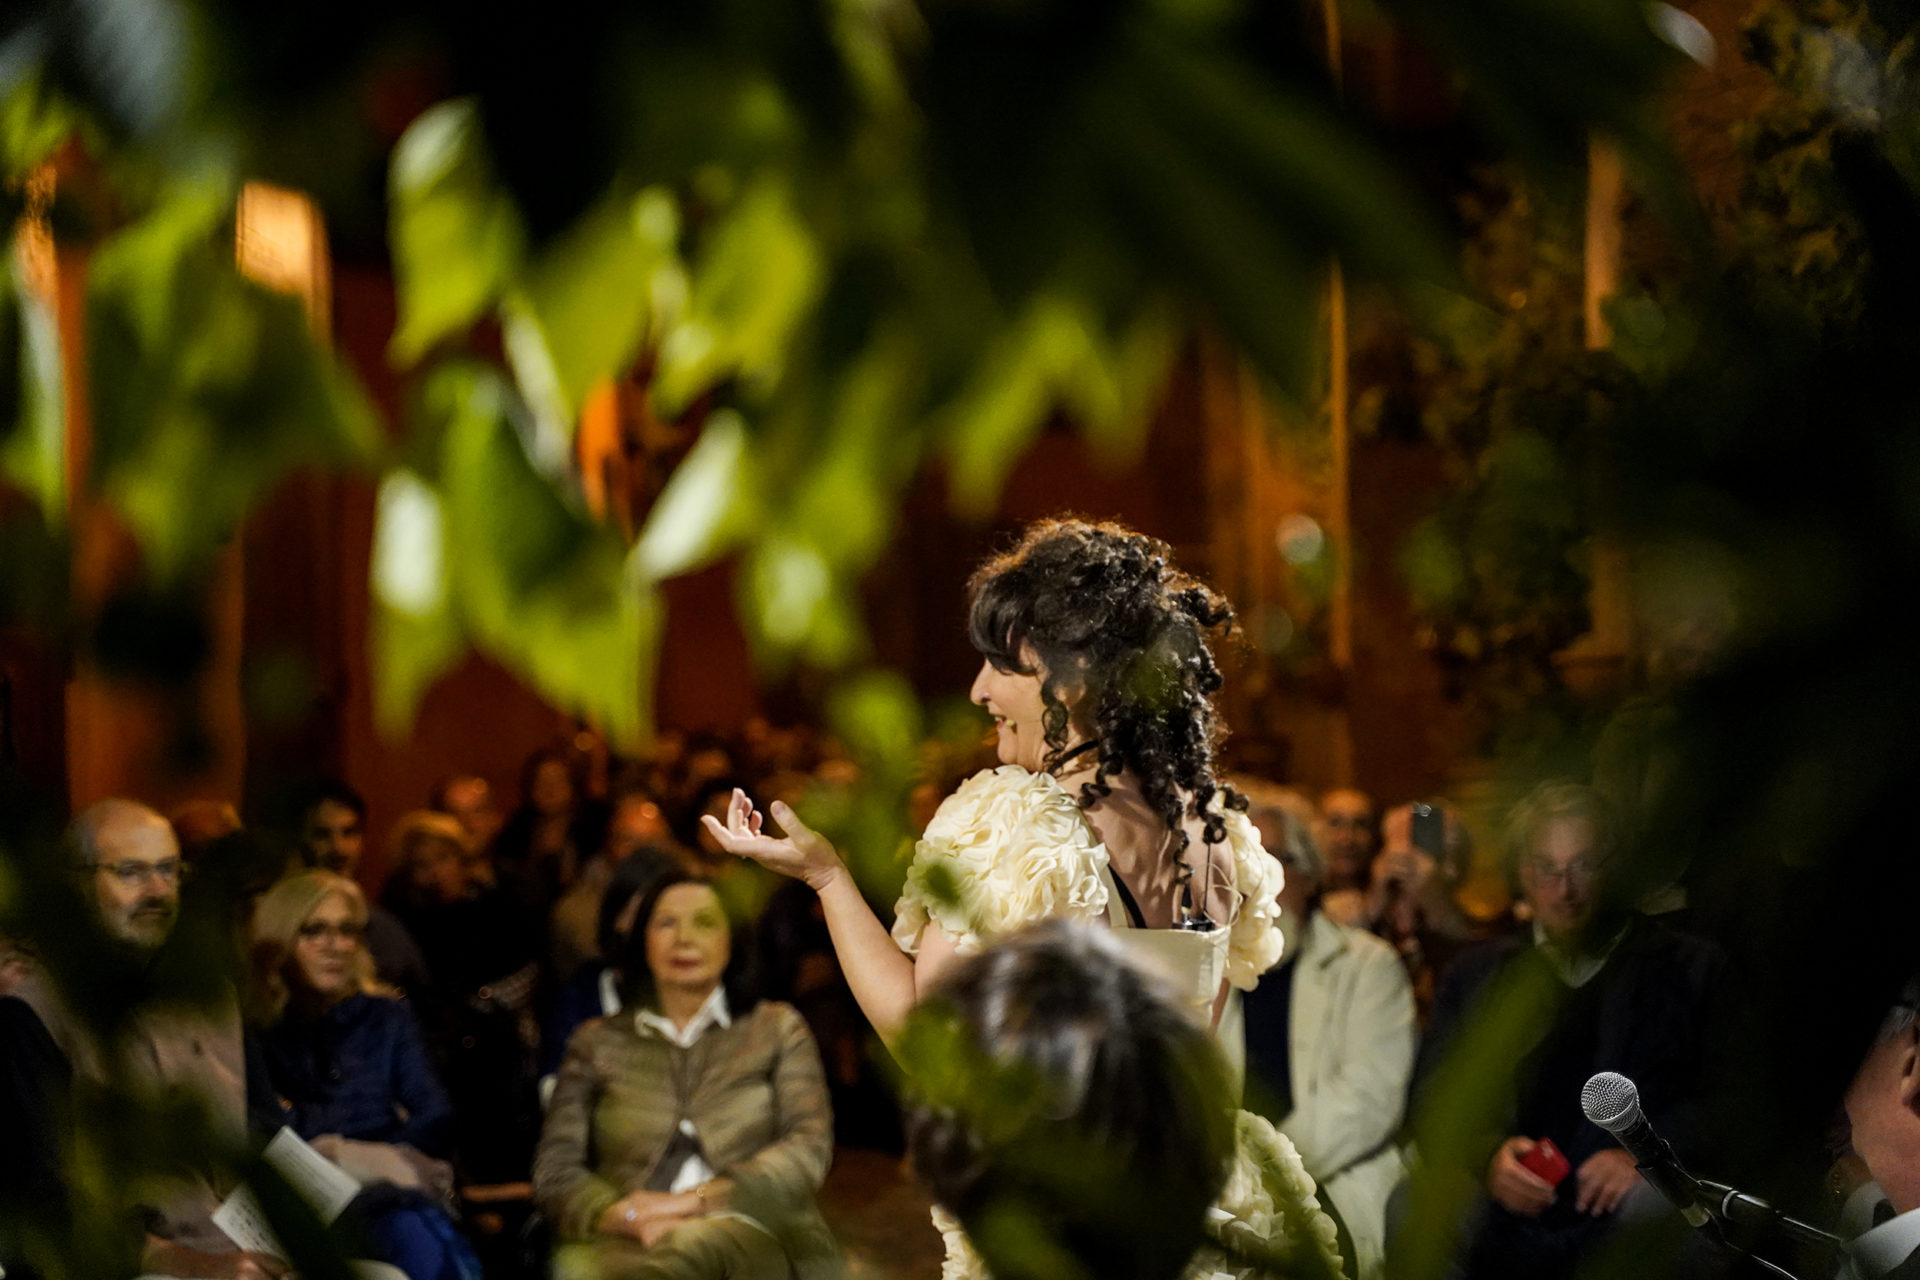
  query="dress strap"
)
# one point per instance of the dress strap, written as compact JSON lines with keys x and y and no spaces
{"x":1126,"y":900}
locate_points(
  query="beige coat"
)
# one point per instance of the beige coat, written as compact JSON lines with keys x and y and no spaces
{"x":1350,"y":1047}
{"x":754,"y":1091}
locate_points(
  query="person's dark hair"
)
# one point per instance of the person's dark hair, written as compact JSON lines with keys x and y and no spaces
{"x":545,"y":755}
{"x":1103,"y":609}
{"x":631,"y":878}
{"x":322,"y":790}
{"x":1054,"y":1087}
{"x":741,"y":978}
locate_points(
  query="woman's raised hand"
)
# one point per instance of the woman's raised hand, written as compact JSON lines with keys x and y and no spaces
{"x":802,"y":853}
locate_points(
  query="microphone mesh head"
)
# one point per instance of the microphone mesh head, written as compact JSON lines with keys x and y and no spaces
{"x":1611,"y":1101}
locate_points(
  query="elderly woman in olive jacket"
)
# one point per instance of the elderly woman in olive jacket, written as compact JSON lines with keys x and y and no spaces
{"x":688,"y":1133}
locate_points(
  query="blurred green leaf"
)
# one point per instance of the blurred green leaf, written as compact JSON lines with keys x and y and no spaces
{"x":33,"y":120}
{"x":583,"y":305}
{"x":455,"y":234}
{"x":1054,"y":358}
{"x":755,"y":276}
{"x":538,"y":584}
{"x":205,"y":389}
{"x":33,"y":428}
{"x":416,"y":635}
{"x":700,"y":512}
{"x":877,"y":716}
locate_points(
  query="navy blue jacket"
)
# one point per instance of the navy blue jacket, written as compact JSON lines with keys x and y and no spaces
{"x":360,"y":1070}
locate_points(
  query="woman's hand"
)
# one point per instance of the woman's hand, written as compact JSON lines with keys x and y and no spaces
{"x":803,"y":854}
{"x":648,"y":1215}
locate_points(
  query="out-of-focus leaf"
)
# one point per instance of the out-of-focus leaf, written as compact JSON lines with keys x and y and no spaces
{"x":755,"y":278}
{"x":33,"y":430}
{"x":877,"y":716}
{"x":585,"y":301}
{"x":456,"y":236}
{"x":416,"y":634}
{"x":1054,"y":358}
{"x":1322,"y":181}
{"x":205,"y":388}
{"x":795,"y":605}
{"x":700,"y":511}
{"x":538,"y":584}
{"x":1261,"y":286}
{"x":33,"y":121}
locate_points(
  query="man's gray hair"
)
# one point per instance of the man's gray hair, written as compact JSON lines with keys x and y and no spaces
{"x":1559,"y":801}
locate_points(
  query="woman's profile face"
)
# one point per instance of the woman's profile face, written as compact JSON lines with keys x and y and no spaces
{"x":326,"y":950}
{"x":688,"y":942}
{"x":1018,"y":712}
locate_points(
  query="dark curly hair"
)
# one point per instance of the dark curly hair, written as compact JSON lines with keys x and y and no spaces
{"x":1053,"y":1082}
{"x":1103,"y":608}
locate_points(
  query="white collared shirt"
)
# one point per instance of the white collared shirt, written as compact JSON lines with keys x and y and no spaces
{"x":714,"y":1013}
{"x":1575,"y":970}
{"x":1874,"y":1253}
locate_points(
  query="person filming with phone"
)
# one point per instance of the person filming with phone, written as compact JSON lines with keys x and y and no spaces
{"x":1520,"y":1023}
{"x":1424,"y":855}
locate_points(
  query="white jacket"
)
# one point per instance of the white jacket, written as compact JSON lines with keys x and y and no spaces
{"x":1350,"y":1053}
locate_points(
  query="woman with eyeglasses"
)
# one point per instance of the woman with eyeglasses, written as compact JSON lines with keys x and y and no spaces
{"x":341,"y":1061}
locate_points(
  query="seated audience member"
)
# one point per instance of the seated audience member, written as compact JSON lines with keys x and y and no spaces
{"x":600,"y":989}
{"x":687,"y":1137}
{"x":544,"y":842}
{"x":1588,"y":988}
{"x":333,"y":837}
{"x":468,"y":799}
{"x":54,"y":1070}
{"x":1410,"y":896}
{"x":1110,"y":1170}
{"x":1883,"y":1113}
{"x":1330,"y":1042}
{"x":634,"y":824}
{"x":346,"y":1067}
{"x":1348,"y":836}
{"x":481,"y":948}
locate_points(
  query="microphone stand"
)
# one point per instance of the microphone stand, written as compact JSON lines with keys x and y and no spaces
{"x":1746,"y":1213}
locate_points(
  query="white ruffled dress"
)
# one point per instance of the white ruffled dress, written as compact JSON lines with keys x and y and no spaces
{"x":1010,"y":848}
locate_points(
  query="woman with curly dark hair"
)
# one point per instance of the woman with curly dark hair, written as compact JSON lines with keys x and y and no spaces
{"x":1099,"y":679}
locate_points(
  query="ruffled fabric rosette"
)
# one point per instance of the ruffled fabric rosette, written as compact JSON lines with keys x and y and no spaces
{"x":1005,"y":850}
{"x":1267,"y":1220}
{"x":1254,"y":944}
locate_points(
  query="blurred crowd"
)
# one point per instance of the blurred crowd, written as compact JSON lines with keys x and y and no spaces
{"x":447,"y":1041}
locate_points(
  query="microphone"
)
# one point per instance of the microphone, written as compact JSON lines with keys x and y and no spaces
{"x":1611,"y":1101}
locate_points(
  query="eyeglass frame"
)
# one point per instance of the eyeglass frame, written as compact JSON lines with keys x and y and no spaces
{"x":132,"y":873}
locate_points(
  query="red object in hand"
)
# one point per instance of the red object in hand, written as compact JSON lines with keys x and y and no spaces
{"x":1546,"y":1161}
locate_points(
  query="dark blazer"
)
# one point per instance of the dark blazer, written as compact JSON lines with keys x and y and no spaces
{"x":359,"y":1070}
{"x":1645,"y":1015}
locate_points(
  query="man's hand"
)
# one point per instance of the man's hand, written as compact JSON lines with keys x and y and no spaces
{"x":1604,"y":1179}
{"x":1513,"y":1186}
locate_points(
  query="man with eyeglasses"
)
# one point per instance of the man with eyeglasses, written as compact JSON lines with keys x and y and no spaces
{"x":54,"y":1068}
{"x":1520,"y":1023}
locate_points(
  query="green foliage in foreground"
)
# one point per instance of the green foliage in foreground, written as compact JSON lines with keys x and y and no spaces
{"x":843,"y":240}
